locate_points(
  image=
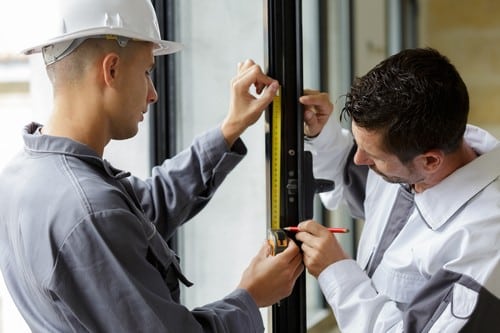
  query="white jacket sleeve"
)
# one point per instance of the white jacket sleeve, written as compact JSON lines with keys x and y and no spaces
{"x":356,"y":304}
{"x":330,"y":150}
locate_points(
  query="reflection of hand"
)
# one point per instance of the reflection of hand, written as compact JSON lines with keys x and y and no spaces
{"x":245,"y":108}
{"x":317,"y":110}
{"x":319,"y":246}
{"x":269,"y":279}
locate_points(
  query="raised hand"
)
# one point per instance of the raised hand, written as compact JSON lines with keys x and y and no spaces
{"x":245,"y":108}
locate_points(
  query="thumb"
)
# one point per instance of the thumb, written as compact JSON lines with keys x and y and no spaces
{"x":265,"y":250}
{"x":312,"y":227}
{"x":308,"y":115}
{"x":268,"y":94}
{"x":312,"y":124}
{"x":291,"y":250}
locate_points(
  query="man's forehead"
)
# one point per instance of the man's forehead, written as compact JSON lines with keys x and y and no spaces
{"x":362,"y":134}
{"x":369,"y":141}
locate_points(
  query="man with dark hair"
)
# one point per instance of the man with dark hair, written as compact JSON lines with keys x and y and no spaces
{"x":427,"y":185}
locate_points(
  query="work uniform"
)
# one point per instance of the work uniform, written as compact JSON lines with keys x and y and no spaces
{"x":439,"y":270}
{"x":83,"y":245}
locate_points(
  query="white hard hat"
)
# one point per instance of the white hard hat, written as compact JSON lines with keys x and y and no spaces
{"x":77,"y":20}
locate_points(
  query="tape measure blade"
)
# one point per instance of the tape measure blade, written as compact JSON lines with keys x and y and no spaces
{"x":276,"y":161}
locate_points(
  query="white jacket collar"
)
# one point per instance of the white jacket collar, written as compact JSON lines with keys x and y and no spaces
{"x":435,"y":204}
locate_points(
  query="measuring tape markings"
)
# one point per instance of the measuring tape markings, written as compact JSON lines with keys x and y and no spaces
{"x":277,"y":238}
{"x":276,"y":161}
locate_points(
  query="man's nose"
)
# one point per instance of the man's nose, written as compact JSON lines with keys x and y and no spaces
{"x":361,"y":158}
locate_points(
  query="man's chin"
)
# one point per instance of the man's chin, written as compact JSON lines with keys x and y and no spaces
{"x":392,"y":180}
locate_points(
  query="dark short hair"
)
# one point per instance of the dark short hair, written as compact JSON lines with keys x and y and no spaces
{"x":416,"y":98}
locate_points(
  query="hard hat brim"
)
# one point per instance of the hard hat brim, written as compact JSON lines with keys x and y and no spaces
{"x":167,"y":47}
{"x":163,"y":47}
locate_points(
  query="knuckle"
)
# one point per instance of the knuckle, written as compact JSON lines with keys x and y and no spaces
{"x":234,"y":82}
{"x":255,"y":69}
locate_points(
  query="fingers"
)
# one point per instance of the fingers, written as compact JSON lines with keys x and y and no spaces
{"x":243,"y":66}
{"x":320,"y":248}
{"x":245,"y":70}
{"x":318,"y":105}
{"x":289,"y":253}
{"x":312,"y":227}
{"x":295,"y":259}
{"x":267,"y":96}
{"x":291,"y":256}
{"x":314,"y":97}
{"x":245,"y":108}
{"x":317,"y":110}
{"x":250,"y":73}
{"x":270,"y":279}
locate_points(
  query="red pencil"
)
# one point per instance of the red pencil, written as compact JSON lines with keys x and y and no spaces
{"x":332,"y":230}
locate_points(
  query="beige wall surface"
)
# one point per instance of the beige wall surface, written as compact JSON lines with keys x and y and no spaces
{"x":468,"y":32}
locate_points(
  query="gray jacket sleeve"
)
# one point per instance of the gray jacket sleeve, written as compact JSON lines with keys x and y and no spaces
{"x":180,"y":187}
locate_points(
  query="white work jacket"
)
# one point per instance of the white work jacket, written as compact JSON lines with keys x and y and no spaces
{"x":442,"y":271}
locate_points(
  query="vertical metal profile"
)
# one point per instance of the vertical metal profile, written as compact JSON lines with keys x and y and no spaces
{"x":401,"y":25}
{"x":284,"y":63}
{"x":163,"y":135}
{"x":163,"y":118}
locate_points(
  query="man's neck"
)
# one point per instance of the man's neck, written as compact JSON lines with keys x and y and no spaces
{"x":71,"y":124}
{"x":452,"y":162}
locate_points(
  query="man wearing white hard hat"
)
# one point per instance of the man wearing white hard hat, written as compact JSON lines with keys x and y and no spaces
{"x":83,"y":244}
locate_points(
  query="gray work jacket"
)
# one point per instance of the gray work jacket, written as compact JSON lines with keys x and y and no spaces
{"x":83,"y":245}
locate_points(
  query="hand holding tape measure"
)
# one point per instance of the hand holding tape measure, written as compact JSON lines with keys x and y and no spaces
{"x":278,"y":239}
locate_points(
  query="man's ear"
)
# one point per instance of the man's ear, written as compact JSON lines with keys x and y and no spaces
{"x":110,"y":65}
{"x":431,"y":160}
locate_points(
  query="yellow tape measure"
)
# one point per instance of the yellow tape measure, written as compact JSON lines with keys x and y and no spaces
{"x":276,"y":162}
{"x":278,"y":240}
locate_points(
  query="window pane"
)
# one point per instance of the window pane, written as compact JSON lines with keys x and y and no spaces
{"x":217,"y":245}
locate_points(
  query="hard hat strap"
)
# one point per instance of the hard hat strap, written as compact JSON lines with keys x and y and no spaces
{"x":55,"y":52}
